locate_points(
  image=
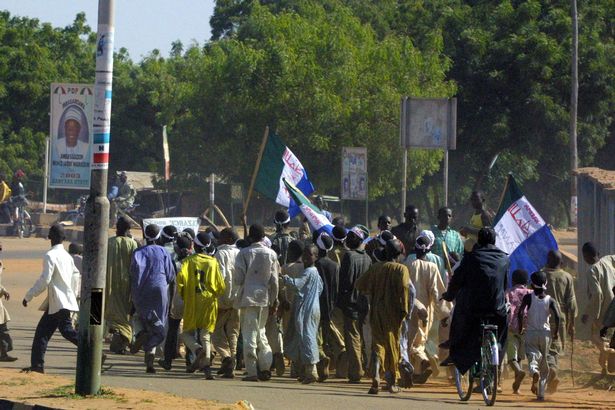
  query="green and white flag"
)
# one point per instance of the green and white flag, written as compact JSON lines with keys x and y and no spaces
{"x":279,"y":162}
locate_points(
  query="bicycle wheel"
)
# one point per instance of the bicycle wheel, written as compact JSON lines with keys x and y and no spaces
{"x":464,"y":383}
{"x":20,"y":229}
{"x":489,"y":373}
{"x":28,"y":228}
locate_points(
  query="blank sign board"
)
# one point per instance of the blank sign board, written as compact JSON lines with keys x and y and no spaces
{"x":428,"y":123}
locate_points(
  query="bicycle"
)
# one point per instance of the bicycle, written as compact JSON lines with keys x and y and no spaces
{"x":22,"y":224}
{"x":485,"y":371}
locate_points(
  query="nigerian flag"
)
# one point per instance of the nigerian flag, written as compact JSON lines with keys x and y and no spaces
{"x":316,"y":218}
{"x":521,"y":231}
{"x":279,"y":162}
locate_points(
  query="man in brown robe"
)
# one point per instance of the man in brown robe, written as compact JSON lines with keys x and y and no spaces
{"x":387,"y":285}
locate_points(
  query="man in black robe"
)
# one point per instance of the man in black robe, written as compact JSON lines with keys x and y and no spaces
{"x":408,"y":231}
{"x":329,"y":271}
{"x":478,"y":286}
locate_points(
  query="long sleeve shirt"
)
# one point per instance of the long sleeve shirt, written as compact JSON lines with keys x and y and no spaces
{"x":354,"y":264}
{"x":58,"y":277}
{"x":600,"y":280}
{"x":226,"y":256}
{"x":256,"y":276}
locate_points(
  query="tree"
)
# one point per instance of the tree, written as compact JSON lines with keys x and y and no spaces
{"x":318,"y":77}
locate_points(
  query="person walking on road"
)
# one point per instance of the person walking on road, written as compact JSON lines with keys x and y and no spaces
{"x":6,"y":343}
{"x":540,"y":307}
{"x":59,"y":278}
{"x":515,"y":345}
{"x":226,"y":332}
{"x":387,"y":285}
{"x":303,"y":347}
{"x":256,"y":279}
{"x":560,"y":286}
{"x":200,"y":283}
{"x":353,"y":305}
{"x":595,"y":289}
{"x":152,"y":271}
{"x":117,"y":299}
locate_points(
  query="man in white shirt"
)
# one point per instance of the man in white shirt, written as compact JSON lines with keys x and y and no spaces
{"x":256,"y":281}
{"x":226,"y":333}
{"x":60,"y":278}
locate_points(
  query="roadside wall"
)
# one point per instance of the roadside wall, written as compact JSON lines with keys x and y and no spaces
{"x":596,"y":222}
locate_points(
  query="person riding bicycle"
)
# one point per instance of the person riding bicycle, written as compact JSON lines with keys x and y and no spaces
{"x":18,"y":193}
{"x":478,"y":286}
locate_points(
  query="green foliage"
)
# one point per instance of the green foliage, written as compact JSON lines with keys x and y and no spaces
{"x":321,"y":79}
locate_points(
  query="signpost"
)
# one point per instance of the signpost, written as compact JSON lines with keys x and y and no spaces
{"x":427,"y":123}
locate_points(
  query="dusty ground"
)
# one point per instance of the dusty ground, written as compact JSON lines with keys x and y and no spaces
{"x":58,"y":392}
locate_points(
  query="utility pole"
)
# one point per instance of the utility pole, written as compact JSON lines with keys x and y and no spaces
{"x":96,"y":225}
{"x":574,"y":97}
{"x":404,"y":145}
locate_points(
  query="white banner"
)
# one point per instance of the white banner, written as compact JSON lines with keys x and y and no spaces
{"x":517,"y":224}
{"x":180,"y":223}
{"x":71,"y":135}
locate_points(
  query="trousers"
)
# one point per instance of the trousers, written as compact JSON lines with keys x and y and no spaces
{"x":256,"y":349}
{"x":226,"y":333}
{"x":195,"y":340}
{"x":537,"y":344}
{"x":352,"y":340}
{"x":45,"y":329}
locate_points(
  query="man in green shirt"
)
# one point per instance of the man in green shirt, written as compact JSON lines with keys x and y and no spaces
{"x":560,"y":286}
{"x":444,"y":233}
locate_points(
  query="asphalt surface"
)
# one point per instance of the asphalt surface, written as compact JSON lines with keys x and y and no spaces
{"x":22,"y":266}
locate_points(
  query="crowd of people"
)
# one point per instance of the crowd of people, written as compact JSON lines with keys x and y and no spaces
{"x":403,"y":304}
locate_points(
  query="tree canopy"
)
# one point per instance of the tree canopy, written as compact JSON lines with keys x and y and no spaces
{"x":329,"y":74}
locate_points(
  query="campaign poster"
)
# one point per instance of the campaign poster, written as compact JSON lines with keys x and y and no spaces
{"x":354,"y":173}
{"x":71,"y":136}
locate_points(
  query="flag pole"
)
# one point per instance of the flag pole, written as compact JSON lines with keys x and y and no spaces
{"x":503,"y":192}
{"x":253,"y":180}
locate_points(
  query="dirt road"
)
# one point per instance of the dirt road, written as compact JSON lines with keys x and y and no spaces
{"x":22,"y":260}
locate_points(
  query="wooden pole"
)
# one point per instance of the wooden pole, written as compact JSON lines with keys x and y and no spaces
{"x":253,"y":180}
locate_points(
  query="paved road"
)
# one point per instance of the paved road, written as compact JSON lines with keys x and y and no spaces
{"x":128,"y":371}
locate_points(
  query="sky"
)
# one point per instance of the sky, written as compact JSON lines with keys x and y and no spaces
{"x":140,"y":25}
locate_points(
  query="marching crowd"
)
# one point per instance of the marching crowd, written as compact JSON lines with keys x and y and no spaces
{"x":403,"y":304}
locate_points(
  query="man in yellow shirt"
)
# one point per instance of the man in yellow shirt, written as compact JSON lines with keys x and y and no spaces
{"x":5,"y":195}
{"x":200,"y":283}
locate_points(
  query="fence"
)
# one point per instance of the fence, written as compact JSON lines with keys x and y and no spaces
{"x":596,"y":223}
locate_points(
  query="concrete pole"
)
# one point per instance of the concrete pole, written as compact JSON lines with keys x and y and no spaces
{"x":46,"y":174}
{"x":403,"y":142}
{"x":89,"y":349}
{"x":574,"y":97}
{"x":445,"y":203}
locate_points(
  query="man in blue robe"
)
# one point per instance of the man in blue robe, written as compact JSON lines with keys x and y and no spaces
{"x":152,"y":271}
{"x":303,"y":347}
